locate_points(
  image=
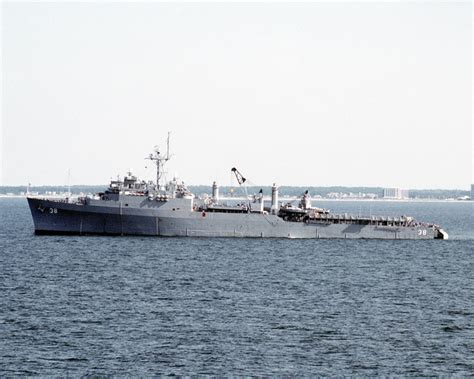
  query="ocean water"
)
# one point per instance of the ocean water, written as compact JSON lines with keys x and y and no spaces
{"x":162,"y":306}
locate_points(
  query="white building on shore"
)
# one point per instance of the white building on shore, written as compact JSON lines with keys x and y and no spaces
{"x":395,"y":193}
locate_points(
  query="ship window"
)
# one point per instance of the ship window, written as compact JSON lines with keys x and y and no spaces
{"x":126,"y":205}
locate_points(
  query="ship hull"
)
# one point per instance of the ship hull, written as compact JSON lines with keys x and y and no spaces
{"x":270,"y":226}
{"x":56,"y":217}
{"x":53,"y":217}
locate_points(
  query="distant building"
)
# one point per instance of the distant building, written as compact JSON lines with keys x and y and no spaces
{"x":395,"y":193}
{"x":350,"y":195}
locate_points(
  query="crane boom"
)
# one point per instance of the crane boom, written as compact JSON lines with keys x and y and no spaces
{"x":239,"y":176}
{"x":241,"y":180}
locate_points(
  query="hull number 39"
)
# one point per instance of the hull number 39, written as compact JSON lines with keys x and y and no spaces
{"x":422,"y":232}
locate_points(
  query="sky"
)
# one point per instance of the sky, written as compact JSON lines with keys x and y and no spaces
{"x":317,"y":94}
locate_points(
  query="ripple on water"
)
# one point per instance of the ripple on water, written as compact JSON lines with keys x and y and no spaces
{"x":146,"y":306}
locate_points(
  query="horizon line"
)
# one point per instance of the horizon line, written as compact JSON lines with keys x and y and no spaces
{"x":255,"y":185}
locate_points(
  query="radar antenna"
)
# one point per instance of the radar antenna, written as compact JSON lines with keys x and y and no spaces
{"x":160,"y":160}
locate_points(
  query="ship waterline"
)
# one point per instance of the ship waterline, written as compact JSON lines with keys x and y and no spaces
{"x":134,"y":207}
{"x":178,"y":218}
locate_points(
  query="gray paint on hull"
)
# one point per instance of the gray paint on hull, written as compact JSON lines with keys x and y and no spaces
{"x":258,"y":225}
{"x":174,"y":218}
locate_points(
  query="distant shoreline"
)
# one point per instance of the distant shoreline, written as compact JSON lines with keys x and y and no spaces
{"x":291,"y":198}
{"x":333,"y":193}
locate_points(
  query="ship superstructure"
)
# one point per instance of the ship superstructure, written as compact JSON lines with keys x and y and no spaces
{"x":136,"y":207}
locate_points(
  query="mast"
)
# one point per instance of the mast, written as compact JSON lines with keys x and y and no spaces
{"x":160,"y":161}
{"x":168,"y":147}
{"x":69,"y":182}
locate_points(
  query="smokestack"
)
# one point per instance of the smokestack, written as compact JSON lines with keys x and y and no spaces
{"x":215,"y":192}
{"x":274,"y":199}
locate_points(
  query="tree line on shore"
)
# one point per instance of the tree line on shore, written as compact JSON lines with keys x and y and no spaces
{"x":236,"y":191}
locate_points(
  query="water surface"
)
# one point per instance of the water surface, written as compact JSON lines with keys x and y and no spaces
{"x":150,"y":306}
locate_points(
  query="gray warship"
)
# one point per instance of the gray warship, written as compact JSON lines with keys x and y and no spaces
{"x":136,"y":207}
